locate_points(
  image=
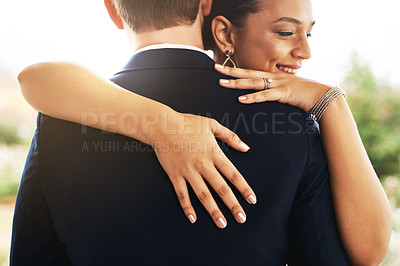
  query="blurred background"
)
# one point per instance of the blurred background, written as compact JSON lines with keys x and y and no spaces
{"x":355,"y":45}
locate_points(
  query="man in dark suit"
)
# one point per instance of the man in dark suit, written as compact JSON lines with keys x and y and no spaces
{"x":91,"y":198}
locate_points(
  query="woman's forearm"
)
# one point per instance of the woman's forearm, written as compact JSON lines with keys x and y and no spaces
{"x":70,"y":92}
{"x":362,"y":208}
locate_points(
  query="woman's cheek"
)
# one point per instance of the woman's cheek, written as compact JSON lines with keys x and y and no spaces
{"x":276,"y":52}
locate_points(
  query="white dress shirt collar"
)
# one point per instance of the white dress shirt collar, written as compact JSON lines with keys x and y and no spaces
{"x":170,"y":46}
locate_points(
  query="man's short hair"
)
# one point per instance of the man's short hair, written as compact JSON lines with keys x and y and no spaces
{"x":146,"y":15}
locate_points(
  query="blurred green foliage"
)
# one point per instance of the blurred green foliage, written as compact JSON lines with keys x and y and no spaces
{"x":9,"y":134}
{"x":376,"y":109}
{"x":8,"y":187}
{"x":10,"y":147}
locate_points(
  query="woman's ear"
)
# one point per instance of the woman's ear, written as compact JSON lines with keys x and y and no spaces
{"x":113,"y":13}
{"x":223,"y":33}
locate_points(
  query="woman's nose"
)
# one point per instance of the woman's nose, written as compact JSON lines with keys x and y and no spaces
{"x":302,"y":49}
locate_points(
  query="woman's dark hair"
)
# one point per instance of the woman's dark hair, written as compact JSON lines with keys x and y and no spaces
{"x":236,"y":11}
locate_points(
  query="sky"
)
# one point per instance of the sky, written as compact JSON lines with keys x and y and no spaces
{"x":80,"y":31}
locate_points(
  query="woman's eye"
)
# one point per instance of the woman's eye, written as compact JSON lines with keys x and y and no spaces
{"x":285,"y":33}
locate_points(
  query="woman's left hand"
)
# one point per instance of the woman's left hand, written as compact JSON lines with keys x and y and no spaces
{"x":284,"y":88}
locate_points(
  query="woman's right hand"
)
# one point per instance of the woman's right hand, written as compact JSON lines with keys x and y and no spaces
{"x":73,"y":93}
{"x":190,"y":154}
{"x":284,"y":88}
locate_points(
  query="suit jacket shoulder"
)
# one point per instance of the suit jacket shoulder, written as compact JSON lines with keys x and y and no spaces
{"x":110,"y":202}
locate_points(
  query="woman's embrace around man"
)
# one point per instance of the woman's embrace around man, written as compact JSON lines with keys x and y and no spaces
{"x":317,"y":198}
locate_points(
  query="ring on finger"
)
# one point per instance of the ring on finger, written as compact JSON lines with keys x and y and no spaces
{"x":267,"y":83}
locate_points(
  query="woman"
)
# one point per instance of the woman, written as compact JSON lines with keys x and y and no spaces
{"x":271,"y":37}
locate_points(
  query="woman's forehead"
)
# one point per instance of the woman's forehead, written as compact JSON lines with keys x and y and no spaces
{"x":276,"y":9}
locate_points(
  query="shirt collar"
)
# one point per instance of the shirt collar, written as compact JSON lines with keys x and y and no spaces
{"x":171,"y":46}
{"x":166,"y":58}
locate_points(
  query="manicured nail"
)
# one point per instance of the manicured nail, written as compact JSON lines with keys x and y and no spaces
{"x":242,"y":98}
{"x":224,"y":81}
{"x":221,"y":223}
{"x":219,"y":66}
{"x":244,"y":145}
{"x":252,"y":199}
{"x":241,"y":218}
{"x":191,"y":218}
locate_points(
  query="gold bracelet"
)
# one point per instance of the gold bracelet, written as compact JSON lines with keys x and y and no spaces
{"x":320,"y":107}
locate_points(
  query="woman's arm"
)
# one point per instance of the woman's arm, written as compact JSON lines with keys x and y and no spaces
{"x":70,"y":92}
{"x":361,"y":206}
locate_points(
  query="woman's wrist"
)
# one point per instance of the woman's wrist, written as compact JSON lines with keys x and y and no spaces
{"x":325,"y":101}
{"x":338,"y":109}
{"x":158,"y":124}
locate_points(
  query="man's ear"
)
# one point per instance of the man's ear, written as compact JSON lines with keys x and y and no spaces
{"x":113,"y":13}
{"x":205,"y":6}
{"x":223,"y":33}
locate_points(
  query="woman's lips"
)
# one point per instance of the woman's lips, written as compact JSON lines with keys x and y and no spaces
{"x":289,"y":69}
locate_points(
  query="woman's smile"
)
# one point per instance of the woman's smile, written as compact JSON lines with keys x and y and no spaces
{"x":289,"y":69}
{"x":275,"y":39}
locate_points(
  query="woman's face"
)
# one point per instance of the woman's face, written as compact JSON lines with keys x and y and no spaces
{"x":275,"y":38}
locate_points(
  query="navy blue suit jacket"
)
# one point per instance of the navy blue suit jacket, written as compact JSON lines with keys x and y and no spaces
{"x":89,"y":197}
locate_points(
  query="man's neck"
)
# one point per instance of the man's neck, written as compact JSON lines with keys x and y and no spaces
{"x":177,"y":35}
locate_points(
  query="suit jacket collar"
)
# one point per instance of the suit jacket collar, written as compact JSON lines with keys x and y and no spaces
{"x":168,"y":58}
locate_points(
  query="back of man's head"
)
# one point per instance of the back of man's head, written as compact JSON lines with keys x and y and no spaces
{"x":147,"y":15}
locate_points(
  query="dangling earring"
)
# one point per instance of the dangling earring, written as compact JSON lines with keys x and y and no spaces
{"x":228,"y":54}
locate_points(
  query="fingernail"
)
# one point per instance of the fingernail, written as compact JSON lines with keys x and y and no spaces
{"x":224,"y":81}
{"x":191,"y":218}
{"x":252,"y":199}
{"x":221,"y":223}
{"x":244,"y":145}
{"x":242,"y":98}
{"x":219,"y":66}
{"x":241,"y":217}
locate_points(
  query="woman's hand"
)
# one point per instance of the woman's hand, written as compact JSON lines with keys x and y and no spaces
{"x":361,"y":206}
{"x":185,"y":144}
{"x":191,"y":154}
{"x":284,"y":88}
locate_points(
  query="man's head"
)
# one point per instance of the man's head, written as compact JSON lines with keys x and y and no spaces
{"x":150,"y":22}
{"x":153,"y":15}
